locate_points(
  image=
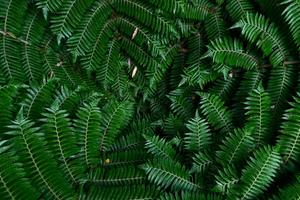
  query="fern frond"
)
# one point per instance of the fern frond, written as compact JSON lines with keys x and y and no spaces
{"x":201,"y":162}
{"x":292,"y":191}
{"x":86,"y":32}
{"x":172,"y":6}
{"x":224,"y":88}
{"x":116,"y":115}
{"x":11,"y":14}
{"x":166,"y":173}
{"x":292,"y":16}
{"x":199,"y":137}
{"x":62,"y":142}
{"x":259,"y":173}
{"x":38,"y":97}
{"x":13,"y":184}
{"x":235,"y":146}
{"x":289,"y":139}
{"x":31,"y":57}
{"x":215,"y":25}
{"x":231,"y":52}
{"x":250,"y":81}
{"x":96,"y":52}
{"x":160,"y":148}
{"x":259,"y":115}
{"x":87,"y":124}
{"x":145,"y":15}
{"x":181,"y":103}
{"x":141,"y":191}
{"x":226,"y":179}
{"x":280,"y":86}
{"x":156,"y":72}
{"x":7,"y":95}
{"x":110,"y":65}
{"x":49,"y":5}
{"x":238,"y":9}
{"x":33,"y":154}
{"x":190,"y":196}
{"x":125,"y":176}
{"x":199,"y":10}
{"x":215,"y":111}
{"x":257,"y":29}
{"x":68,"y":17}
{"x":68,"y":99}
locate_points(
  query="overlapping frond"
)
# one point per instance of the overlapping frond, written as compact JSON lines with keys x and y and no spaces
{"x":231,"y":52}
{"x":233,"y":148}
{"x":291,"y":14}
{"x":259,"y":173}
{"x":33,"y":154}
{"x":116,"y":115}
{"x":87,"y":124}
{"x":166,"y":173}
{"x":216,"y":113}
{"x":13,"y":183}
{"x":290,"y":133}
{"x":61,"y":140}
{"x":266,"y":35}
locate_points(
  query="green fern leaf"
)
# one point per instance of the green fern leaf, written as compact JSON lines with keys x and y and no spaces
{"x":257,"y":29}
{"x":166,"y":173}
{"x":199,"y":137}
{"x":234,"y":148}
{"x":62,"y":142}
{"x":230,"y":52}
{"x":290,"y":132}
{"x":116,"y":115}
{"x":259,"y":115}
{"x":87,"y":124}
{"x":259,"y":173}
{"x":33,"y":154}
{"x":216,"y":113}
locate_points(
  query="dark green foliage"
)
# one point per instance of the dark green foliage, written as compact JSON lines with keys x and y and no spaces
{"x":157,"y":99}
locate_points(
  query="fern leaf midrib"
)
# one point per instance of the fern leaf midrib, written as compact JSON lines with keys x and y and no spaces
{"x":35,"y":165}
{"x":107,"y":126}
{"x":88,"y":23}
{"x":178,"y":177}
{"x":91,"y":57}
{"x":108,"y":60}
{"x":257,"y":176}
{"x":218,"y":25}
{"x":7,"y":189}
{"x":61,"y":150}
{"x":271,"y":37}
{"x":198,"y":134}
{"x":240,"y":52}
{"x":291,"y":151}
{"x":66,"y":16}
{"x":86,"y":137}
{"x":33,"y":100}
{"x":260,"y":120}
{"x":68,"y":75}
{"x":26,"y":47}
{"x":237,"y":147}
{"x":242,"y":8}
{"x":281,"y":88}
{"x":225,"y":124}
{"x":5,"y":57}
{"x":4,"y":39}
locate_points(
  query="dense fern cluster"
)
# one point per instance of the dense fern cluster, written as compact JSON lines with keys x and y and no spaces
{"x":149,"y":99}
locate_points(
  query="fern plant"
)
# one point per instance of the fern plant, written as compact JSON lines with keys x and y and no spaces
{"x":133,"y":99}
